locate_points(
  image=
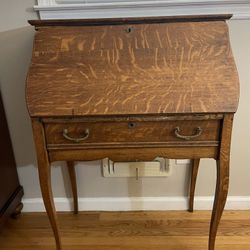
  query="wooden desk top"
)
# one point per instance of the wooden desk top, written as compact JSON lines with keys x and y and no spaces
{"x":177,"y":67}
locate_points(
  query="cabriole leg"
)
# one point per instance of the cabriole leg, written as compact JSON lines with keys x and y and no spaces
{"x":222,"y":178}
{"x":220,"y":200}
{"x":194,"y":173}
{"x":44,"y":169}
{"x":72,"y":175}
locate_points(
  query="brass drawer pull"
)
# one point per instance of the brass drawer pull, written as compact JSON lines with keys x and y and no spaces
{"x":66,"y":136}
{"x":198,"y":132}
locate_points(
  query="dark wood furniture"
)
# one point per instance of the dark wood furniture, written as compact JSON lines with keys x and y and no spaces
{"x":10,"y":190}
{"x":133,"y":89}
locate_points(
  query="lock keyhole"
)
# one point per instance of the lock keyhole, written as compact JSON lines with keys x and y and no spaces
{"x":131,"y":125}
{"x":129,"y":30}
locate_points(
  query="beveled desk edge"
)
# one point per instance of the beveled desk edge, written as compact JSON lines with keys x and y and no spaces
{"x":129,"y":20}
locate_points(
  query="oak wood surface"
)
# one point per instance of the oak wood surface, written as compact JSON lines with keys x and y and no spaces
{"x":160,"y":75}
{"x":132,"y":154}
{"x":194,"y":172}
{"x":133,"y":132}
{"x":128,"y":231}
{"x":73,"y":182}
{"x":158,"y":68}
{"x":133,"y":118}
{"x":222,"y":179}
{"x":44,"y":171}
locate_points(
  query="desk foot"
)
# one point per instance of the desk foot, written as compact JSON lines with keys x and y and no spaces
{"x":72,"y":175}
{"x":194,"y":173}
{"x":220,"y":200}
{"x":17,"y":213}
{"x":45,"y":183}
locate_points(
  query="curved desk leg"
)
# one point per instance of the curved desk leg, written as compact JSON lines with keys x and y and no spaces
{"x":222,"y":179}
{"x":194,"y":173}
{"x":44,"y":170}
{"x":220,"y":200}
{"x":72,"y":175}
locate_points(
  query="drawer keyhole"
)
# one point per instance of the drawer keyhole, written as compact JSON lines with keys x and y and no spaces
{"x":131,"y":125}
{"x":129,"y":29}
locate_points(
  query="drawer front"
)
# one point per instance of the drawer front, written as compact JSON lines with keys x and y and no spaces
{"x":82,"y":133}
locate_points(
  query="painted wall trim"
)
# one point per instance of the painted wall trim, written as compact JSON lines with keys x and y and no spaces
{"x":137,"y":204}
{"x":78,"y":9}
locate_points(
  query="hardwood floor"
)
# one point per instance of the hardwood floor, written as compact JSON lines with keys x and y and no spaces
{"x":127,"y":230}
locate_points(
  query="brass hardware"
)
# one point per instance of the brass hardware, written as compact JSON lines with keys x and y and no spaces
{"x":198,"y":132}
{"x":66,"y":136}
{"x":131,"y":125}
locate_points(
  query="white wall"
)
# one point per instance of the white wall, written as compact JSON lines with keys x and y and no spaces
{"x":15,"y":51}
{"x":14,"y":14}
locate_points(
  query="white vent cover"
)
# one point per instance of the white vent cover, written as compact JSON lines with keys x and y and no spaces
{"x":160,"y":167}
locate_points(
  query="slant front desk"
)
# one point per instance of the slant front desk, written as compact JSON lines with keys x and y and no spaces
{"x":132,"y":90}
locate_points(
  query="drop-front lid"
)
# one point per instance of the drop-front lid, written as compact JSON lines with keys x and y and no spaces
{"x":167,"y":65}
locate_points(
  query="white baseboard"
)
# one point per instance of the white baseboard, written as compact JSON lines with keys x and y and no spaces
{"x":136,"y":204}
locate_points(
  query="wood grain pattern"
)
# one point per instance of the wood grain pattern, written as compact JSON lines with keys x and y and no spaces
{"x":104,"y":70}
{"x":128,"y":231}
{"x":133,"y":118}
{"x":44,"y":170}
{"x":72,"y":175}
{"x":158,"y":73}
{"x":133,"y":153}
{"x":222,"y":179}
{"x":131,"y":132}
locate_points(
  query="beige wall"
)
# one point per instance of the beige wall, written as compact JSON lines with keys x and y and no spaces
{"x":15,"y":13}
{"x":15,"y":52}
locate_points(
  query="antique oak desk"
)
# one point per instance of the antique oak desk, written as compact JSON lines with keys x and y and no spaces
{"x":132,"y":89}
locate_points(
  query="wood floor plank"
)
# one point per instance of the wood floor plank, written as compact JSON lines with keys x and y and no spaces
{"x":127,"y":230}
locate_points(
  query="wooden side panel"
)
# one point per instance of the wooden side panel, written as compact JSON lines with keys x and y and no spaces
{"x":160,"y":68}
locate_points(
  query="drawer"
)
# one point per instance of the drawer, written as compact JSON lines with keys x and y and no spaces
{"x":132,"y":132}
